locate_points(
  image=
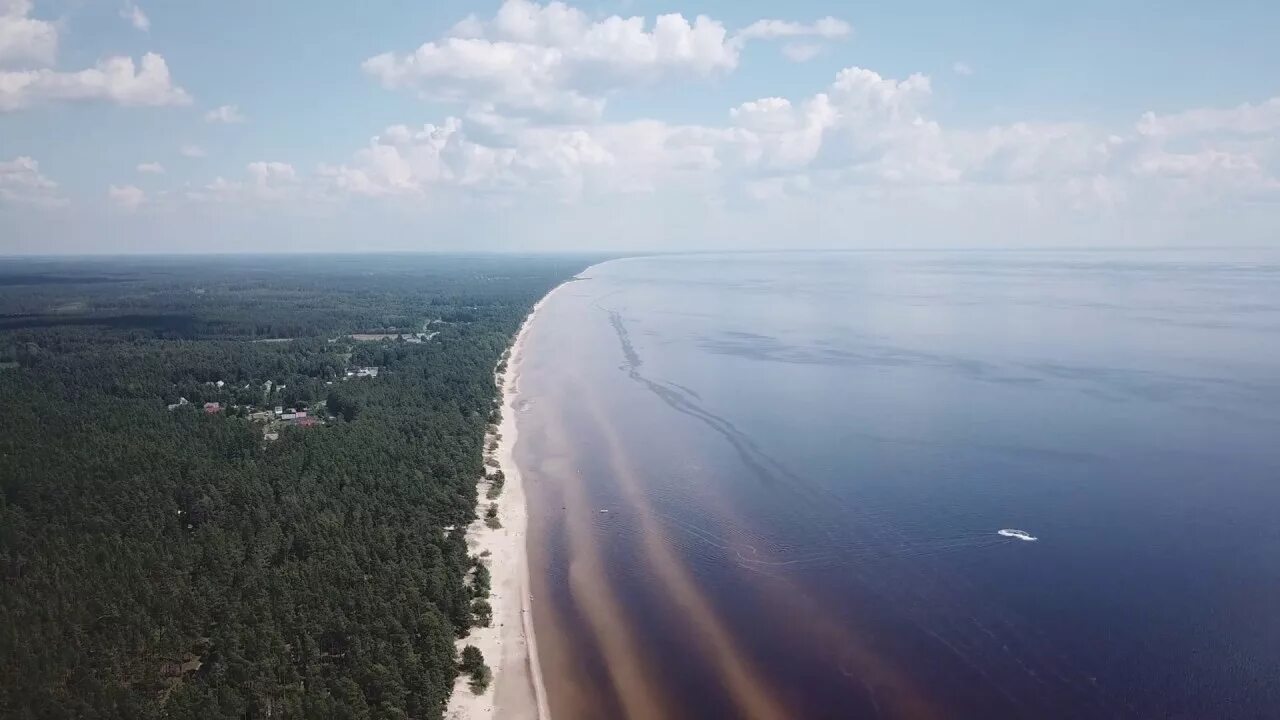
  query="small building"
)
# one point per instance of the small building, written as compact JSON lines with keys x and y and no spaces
{"x":300,"y":414}
{"x":212,"y":408}
{"x":289,"y":416}
{"x":181,"y":401}
{"x":279,"y":410}
{"x":367,"y":372}
{"x":306,"y":422}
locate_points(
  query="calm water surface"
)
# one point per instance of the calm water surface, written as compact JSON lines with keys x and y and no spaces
{"x":771,"y":485}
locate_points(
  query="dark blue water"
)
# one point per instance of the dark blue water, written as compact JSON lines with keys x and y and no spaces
{"x":805,"y":460}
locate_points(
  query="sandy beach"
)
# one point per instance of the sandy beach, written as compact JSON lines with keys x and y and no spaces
{"x":508,"y":644}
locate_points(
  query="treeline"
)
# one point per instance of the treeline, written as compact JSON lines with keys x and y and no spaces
{"x":163,"y":563}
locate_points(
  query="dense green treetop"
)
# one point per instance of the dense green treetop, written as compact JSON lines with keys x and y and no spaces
{"x":174,"y":563}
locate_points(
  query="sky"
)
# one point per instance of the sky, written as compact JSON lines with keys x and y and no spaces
{"x":199,"y":126}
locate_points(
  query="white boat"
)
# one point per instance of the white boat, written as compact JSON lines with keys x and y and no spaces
{"x":1019,"y":534}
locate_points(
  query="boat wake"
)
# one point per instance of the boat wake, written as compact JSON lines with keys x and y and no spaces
{"x":1019,"y":534}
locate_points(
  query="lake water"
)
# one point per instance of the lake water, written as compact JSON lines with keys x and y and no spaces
{"x":771,"y":485}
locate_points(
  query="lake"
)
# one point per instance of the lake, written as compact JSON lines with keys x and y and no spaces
{"x":772,"y":485}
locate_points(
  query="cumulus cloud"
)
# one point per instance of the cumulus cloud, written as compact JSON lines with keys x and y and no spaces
{"x":192,"y":151}
{"x":127,"y":197}
{"x":961,"y":68}
{"x":226,"y":114}
{"x":565,"y":163}
{"x":151,"y":168}
{"x":864,"y":130}
{"x":117,"y":80}
{"x":22,"y":183}
{"x":28,"y":51}
{"x":864,"y":123}
{"x":25,"y":41}
{"x":555,"y":61}
{"x":136,"y":17}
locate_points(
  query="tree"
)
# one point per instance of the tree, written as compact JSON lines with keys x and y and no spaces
{"x":483,"y":613}
{"x":472,"y":664}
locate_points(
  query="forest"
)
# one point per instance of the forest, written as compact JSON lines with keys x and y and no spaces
{"x":171,"y":545}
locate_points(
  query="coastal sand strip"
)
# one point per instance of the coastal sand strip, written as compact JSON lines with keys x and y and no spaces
{"x":508,"y":644}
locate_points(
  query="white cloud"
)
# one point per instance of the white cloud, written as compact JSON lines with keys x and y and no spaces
{"x":151,"y":168}
{"x":828,"y":27}
{"x":532,"y":81}
{"x":127,"y":197}
{"x":1245,"y":119}
{"x":268,"y":173}
{"x":863,"y":133}
{"x":115,"y":80}
{"x":563,"y":162}
{"x":227,"y":114}
{"x":21,"y":182}
{"x":1196,"y":164}
{"x":864,"y":124}
{"x":1034,"y":152}
{"x":554,"y":61}
{"x":136,"y":17}
{"x":25,"y":41}
{"x":267,"y":182}
{"x":192,"y":151}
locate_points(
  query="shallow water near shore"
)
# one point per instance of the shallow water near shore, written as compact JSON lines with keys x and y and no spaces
{"x":774,"y":485}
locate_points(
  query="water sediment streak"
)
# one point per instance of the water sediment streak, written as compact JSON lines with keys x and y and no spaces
{"x":628,"y":665}
{"x":785,"y":502}
{"x":749,"y":689}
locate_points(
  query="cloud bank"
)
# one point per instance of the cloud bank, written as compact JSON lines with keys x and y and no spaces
{"x":527,"y":140}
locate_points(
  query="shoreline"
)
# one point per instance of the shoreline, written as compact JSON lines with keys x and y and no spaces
{"x":509,"y":644}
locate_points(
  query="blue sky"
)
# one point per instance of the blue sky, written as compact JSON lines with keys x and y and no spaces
{"x":156,"y":125}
